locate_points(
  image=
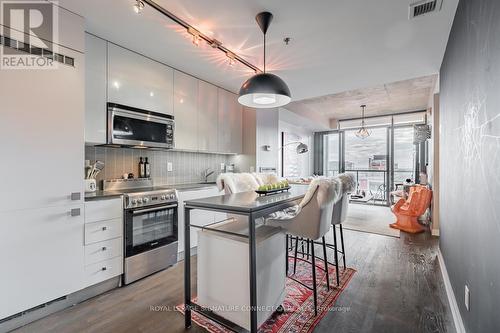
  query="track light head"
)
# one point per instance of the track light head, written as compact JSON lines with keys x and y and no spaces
{"x":231,"y":58}
{"x":138,"y":6}
{"x":196,"y":35}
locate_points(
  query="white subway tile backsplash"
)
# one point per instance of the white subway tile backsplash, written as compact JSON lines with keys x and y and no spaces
{"x":188,"y":167}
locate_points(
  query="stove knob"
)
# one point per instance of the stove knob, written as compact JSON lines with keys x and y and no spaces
{"x":172,"y":196}
{"x":134,"y":201}
{"x":145,"y":200}
{"x":163,"y":197}
{"x":139,"y":200}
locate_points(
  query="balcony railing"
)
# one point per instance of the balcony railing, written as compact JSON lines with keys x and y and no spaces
{"x":374,"y":182}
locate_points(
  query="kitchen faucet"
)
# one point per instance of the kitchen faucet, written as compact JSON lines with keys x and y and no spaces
{"x":207,"y":173}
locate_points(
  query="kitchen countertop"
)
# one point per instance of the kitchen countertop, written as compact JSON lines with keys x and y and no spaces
{"x":99,"y":194}
{"x":250,"y":201}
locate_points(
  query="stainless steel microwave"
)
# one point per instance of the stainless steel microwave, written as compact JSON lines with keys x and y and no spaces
{"x":133,"y":127}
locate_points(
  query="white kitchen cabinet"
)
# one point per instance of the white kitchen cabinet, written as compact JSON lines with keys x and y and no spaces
{"x":230,"y":123}
{"x":103,"y":270}
{"x":42,"y":135}
{"x":226,"y":255}
{"x":103,"y":240}
{"x":41,"y":202}
{"x":207,"y":117}
{"x":105,"y":209}
{"x":137,"y":81}
{"x":95,"y":89}
{"x":185,"y":111}
{"x":198,"y":217}
{"x":235,"y":124}
{"x":224,"y":130}
{"x":42,"y":255}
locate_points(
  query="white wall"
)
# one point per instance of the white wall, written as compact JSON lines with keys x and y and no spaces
{"x":246,"y":162}
{"x":263,"y":127}
{"x":305,"y":136}
{"x":267,"y":133}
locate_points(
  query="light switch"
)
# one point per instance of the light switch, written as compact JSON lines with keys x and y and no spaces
{"x":169,"y":167}
{"x":222,"y":166}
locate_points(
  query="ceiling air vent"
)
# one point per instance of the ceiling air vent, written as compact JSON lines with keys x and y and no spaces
{"x":424,"y":7}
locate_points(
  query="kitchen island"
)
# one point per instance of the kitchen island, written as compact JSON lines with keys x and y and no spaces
{"x":247,"y":204}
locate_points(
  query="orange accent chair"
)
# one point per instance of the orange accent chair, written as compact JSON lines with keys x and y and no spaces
{"x":407,"y":211}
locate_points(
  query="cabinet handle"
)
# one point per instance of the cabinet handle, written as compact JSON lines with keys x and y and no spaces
{"x":75,"y":196}
{"x":75,"y":212}
{"x":103,"y":269}
{"x":104,"y":248}
{"x":104,"y":228}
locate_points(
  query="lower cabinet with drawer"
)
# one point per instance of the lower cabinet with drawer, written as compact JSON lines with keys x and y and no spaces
{"x":103,"y":270}
{"x":103,"y":230}
{"x":103,"y":240}
{"x":104,"y":250}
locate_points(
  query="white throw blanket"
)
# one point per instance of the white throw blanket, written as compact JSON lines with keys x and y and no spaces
{"x":236,"y":182}
{"x":329,"y":190}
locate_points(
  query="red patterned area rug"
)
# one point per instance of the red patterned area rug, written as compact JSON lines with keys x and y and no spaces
{"x":299,"y":304}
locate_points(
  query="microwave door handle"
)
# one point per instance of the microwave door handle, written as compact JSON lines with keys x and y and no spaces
{"x":140,"y":211}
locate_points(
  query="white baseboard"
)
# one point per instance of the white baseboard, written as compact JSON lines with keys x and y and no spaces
{"x":435,"y":232}
{"x":455,"y":311}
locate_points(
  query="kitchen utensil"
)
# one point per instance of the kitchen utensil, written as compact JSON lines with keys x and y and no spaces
{"x":98,"y":166}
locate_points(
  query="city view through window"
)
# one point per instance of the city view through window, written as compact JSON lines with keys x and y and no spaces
{"x":367,"y":159}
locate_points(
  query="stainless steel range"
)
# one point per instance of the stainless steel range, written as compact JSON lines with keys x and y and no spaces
{"x":150,"y":227}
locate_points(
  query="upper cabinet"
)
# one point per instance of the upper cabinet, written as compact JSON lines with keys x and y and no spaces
{"x":208,"y":123}
{"x":235,"y":124}
{"x":230,"y":123}
{"x":207,"y":118}
{"x":137,"y":81}
{"x":95,"y":89}
{"x":185,"y":111}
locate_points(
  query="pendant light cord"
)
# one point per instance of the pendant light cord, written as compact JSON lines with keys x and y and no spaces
{"x":264,"y":52}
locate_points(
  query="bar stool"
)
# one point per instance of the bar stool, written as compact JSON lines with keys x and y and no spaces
{"x":339,"y":215}
{"x":310,"y":220}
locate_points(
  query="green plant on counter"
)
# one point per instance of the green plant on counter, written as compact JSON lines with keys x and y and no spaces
{"x":275,"y":186}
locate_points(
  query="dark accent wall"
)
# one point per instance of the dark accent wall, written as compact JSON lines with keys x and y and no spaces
{"x":470,"y":161}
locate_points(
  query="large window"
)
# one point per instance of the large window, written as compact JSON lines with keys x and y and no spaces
{"x":331,"y":154}
{"x":368,"y":160}
{"x":404,"y":154}
{"x":379,"y":162}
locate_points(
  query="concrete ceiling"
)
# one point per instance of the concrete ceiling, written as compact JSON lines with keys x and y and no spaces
{"x":401,"y":96}
{"x":336,"y":45}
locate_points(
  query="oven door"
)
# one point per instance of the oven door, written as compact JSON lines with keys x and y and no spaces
{"x":129,"y":126}
{"x":149,"y":228}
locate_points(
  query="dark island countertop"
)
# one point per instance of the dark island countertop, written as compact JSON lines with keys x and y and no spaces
{"x":247,"y":202}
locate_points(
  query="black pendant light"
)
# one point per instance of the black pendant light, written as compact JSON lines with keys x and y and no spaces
{"x":264,"y":90}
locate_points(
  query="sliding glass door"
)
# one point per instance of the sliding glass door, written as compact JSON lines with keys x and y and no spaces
{"x":405,"y":155}
{"x":331,"y":154}
{"x":380,"y":162}
{"x":368,"y":159}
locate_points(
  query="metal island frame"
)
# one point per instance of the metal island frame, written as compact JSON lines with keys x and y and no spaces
{"x":248,"y":204}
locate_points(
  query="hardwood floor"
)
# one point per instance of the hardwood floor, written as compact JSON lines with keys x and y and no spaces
{"x":397,"y":288}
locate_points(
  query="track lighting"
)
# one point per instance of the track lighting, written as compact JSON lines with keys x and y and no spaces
{"x":138,"y":6}
{"x":197,"y":36}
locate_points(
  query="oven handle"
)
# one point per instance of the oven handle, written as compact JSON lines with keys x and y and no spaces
{"x":140,"y":211}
